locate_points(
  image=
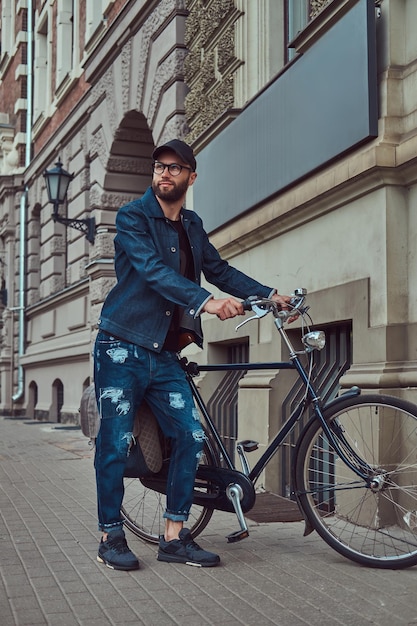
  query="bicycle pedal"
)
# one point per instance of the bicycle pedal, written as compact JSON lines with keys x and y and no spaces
{"x":249,"y":445}
{"x":238,"y":535}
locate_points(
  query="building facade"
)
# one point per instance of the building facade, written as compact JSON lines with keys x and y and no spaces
{"x":303,"y":118}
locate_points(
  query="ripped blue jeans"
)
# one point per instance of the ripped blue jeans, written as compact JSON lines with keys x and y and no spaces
{"x":124,"y":375}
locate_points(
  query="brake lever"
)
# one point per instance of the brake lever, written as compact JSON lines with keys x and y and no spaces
{"x":259,"y":312}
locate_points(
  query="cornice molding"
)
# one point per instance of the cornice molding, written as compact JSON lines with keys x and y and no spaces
{"x":65,"y":296}
{"x":339,"y":184}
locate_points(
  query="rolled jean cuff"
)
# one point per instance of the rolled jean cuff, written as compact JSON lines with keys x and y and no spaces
{"x":176,"y":517}
{"x":106,"y":528}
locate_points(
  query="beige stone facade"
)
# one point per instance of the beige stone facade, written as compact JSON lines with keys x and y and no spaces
{"x":158,"y":70}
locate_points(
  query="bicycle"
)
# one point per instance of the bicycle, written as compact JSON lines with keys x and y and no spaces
{"x":354,"y":467}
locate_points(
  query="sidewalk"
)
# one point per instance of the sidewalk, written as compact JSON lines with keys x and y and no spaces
{"x":49,"y":574}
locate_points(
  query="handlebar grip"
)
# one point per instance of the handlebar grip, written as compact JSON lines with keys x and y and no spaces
{"x":247,"y":304}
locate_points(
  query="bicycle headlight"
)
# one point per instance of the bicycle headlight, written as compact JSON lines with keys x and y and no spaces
{"x":315,"y":340}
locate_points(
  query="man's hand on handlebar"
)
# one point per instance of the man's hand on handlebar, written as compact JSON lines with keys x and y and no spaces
{"x":224,"y":308}
{"x":283,"y":301}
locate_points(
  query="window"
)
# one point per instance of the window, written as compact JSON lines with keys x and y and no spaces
{"x":95,"y":15}
{"x":42,"y":88}
{"x":297,"y":18}
{"x":223,"y":404}
{"x":65,"y":40}
{"x":7,"y":26}
{"x":329,"y":366}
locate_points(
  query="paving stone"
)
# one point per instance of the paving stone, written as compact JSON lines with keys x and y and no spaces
{"x":49,"y":575}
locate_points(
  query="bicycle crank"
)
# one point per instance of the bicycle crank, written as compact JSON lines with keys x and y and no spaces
{"x":235,"y":494}
{"x":228,"y":490}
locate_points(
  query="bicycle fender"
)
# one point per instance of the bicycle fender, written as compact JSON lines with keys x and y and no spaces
{"x":349,"y":393}
{"x":308,"y":528}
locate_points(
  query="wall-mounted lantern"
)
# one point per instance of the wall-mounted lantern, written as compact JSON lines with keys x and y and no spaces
{"x":57,"y":182}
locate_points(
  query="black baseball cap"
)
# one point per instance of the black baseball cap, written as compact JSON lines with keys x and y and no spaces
{"x":180,"y":148}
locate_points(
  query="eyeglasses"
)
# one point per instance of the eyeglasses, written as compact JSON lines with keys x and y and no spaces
{"x":173,"y":168}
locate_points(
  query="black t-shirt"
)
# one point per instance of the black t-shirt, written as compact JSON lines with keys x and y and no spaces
{"x":187,"y":270}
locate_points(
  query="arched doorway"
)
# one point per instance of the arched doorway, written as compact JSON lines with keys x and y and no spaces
{"x":57,"y":401}
{"x":32,"y":400}
{"x":128,"y":169}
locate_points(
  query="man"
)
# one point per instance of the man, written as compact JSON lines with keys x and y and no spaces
{"x":161,"y":249}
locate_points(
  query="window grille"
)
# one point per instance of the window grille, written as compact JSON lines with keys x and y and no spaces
{"x":223,"y":404}
{"x":329,"y":365}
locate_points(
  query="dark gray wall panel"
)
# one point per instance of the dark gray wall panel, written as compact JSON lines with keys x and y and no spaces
{"x":322,"y":106}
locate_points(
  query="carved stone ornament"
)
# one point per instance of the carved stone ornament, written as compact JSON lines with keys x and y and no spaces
{"x":128,"y":165}
{"x":108,"y":200}
{"x":100,"y":288}
{"x":175,"y":127}
{"x":159,"y":15}
{"x":125,"y":66}
{"x":104,"y":246}
{"x":316,"y":6}
{"x":211,"y":63}
{"x":215,"y":103}
{"x":170,"y":69}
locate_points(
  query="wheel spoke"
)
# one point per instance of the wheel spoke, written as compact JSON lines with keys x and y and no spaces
{"x":373,"y":522}
{"x":143,"y":508}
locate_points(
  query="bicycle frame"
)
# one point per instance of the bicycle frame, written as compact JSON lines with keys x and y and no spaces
{"x":278,"y":439}
{"x":235,"y":488}
{"x":311,"y":397}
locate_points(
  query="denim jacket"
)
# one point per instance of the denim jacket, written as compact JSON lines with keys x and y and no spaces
{"x":149,"y":285}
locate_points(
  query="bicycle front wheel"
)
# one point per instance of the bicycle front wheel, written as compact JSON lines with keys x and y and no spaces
{"x":144,"y":505}
{"x":371,"y":521}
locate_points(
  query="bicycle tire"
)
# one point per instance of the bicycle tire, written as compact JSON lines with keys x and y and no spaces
{"x":372,"y":522}
{"x":143,"y":508}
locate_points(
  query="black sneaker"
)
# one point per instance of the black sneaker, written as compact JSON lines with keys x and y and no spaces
{"x":185,"y":550}
{"x":115,"y":553}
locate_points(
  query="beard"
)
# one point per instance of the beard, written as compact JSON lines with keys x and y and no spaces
{"x":173,"y":194}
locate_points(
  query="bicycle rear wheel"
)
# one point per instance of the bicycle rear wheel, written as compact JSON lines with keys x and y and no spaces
{"x":372,"y":521}
{"x":143,"y":506}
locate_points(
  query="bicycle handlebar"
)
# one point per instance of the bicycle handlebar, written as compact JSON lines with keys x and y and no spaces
{"x":247,"y":304}
{"x":262,"y":306}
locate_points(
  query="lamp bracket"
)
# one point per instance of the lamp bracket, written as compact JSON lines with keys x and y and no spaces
{"x":86,"y":226}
